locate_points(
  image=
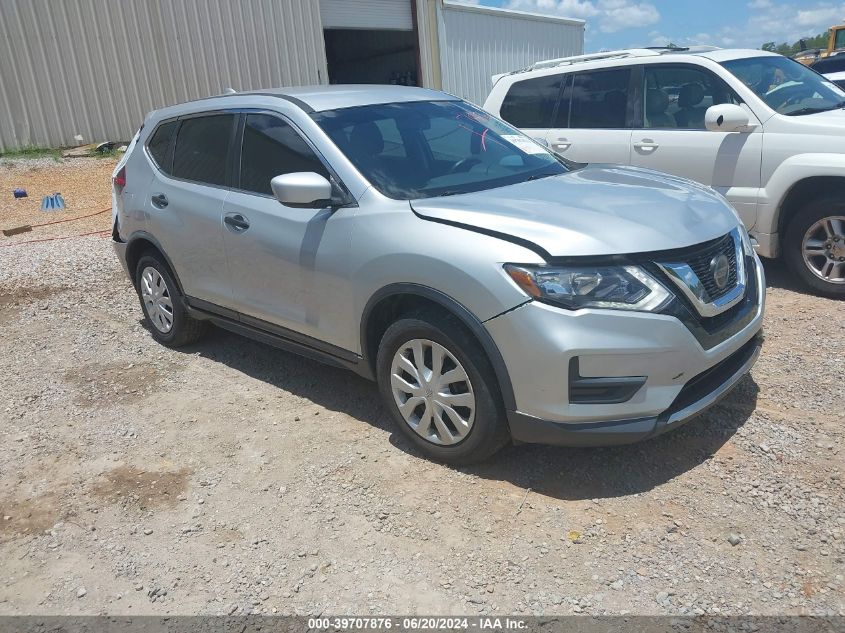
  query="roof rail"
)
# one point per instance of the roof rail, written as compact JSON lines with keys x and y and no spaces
{"x":649,"y":51}
{"x":577,"y":59}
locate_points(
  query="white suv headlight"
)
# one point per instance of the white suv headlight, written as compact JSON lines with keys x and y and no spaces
{"x":574,"y":287}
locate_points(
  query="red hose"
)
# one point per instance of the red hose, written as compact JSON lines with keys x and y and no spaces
{"x":61,"y":237}
{"x":81,"y":217}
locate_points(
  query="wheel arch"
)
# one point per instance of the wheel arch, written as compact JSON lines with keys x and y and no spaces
{"x":141,"y":242}
{"x":803,"y":191}
{"x":391,"y":302}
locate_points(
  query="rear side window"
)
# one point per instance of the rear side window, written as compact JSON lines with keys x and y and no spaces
{"x":202,"y":147}
{"x":272,"y":147}
{"x":531,"y":103}
{"x":599,"y":99}
{"x":159,"y":144}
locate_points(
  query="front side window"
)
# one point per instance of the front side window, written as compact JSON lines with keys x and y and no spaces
{"x":159,"y":144}
{"x":786,"y":86}
{"x":839,"y":40}
{"x":448,"y":147}
{"x":597,"y":99}
{"x":272,"y":147}
{"x":202,"y":147}
{"x":677,"y":96}
{"x":531,"y":103}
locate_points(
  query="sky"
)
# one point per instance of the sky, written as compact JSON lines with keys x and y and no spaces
{"x":613,"y":24}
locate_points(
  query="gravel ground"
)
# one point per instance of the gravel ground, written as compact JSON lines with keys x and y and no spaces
{"x":234,"y":478}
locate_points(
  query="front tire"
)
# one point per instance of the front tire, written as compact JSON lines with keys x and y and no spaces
{"x":814,"y":246}
{"x":440,"y":389}
{"x":161,"y":301}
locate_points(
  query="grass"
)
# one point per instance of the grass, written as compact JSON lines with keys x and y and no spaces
{"x":109,"y":154}
{"x":33,"y":152}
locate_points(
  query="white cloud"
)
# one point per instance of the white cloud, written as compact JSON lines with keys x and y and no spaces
{"x":768,"y":21}
{"x":610,"y":15}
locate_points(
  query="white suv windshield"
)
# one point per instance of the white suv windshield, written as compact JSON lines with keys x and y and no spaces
{"x":435,"y":148}
{"x":787,"y":86}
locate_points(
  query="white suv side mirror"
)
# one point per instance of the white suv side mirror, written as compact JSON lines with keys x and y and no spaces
{"x":726,"y":117}
{"x":302,"y":189}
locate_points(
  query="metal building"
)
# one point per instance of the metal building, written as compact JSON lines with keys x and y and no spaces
{"x":94,"y":67}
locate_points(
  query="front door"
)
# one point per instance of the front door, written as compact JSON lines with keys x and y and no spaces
{"x":286,"y":263}
{"x":673,"y":139}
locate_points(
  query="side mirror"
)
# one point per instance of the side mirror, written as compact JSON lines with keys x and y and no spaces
{"x":726,"y":117}
{"x":302,"y":189}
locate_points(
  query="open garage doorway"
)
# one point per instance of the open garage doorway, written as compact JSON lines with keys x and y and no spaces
{"x":372,"y":56}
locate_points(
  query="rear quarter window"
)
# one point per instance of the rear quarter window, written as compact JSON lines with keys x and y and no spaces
{"x":159,"y":144}
{"x":531,"y":103}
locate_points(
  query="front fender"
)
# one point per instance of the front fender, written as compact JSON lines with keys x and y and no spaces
{"x":788,"y":174}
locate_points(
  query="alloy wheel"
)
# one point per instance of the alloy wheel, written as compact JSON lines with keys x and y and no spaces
{"x":823,"y":248}
{"x":432,"y":391}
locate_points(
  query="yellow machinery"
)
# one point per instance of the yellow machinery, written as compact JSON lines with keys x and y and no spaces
{"x":835,"y":45}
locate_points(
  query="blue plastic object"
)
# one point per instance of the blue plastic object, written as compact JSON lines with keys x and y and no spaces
{"x":53,"y":203}
{"x":19,"y":193}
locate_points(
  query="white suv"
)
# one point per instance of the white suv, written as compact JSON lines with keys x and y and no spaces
{"x":759,"y":128}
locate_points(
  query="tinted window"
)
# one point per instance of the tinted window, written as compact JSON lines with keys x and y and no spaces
{"x":678,"y":96}
{"x":202,"y":147}
{"x":160,"y":143}
{"x":599,"y":99}
{"x":530,"y":103}
{"x":448,"y":148}
{"x":271,"y":147}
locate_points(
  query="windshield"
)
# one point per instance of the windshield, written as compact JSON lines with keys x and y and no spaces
{"x":786,"y":86}
{"x":434,"y":148}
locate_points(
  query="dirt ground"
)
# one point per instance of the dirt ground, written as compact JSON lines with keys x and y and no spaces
{"x":230,"y":477}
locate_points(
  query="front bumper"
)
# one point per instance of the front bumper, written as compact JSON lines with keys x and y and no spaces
{"x":682,"y":375}
{"x":697,"y":396}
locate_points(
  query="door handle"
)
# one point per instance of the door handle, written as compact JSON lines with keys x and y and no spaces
{"x":159,"y":201}
{"x":647,"y":145}
{"x":236,"y":223}
{"x":561,"y":144}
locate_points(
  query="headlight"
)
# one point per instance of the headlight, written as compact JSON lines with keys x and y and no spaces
{"x":574,"y":287}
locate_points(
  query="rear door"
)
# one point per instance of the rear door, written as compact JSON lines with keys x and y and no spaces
{"x":592,"y":122}
{"x":289,"y":265}
{"x":670,"y":135}
{"x":185,"y":202}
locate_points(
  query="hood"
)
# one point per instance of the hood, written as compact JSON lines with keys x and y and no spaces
{"x":826,"y":120}
{"x":596,"y":210}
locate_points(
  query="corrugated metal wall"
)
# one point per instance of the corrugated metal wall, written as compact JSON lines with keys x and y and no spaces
{"x":367,"y":14}
{"x":429,"y":45}
{"x":96,"y":67}
{"x":478,"y":42}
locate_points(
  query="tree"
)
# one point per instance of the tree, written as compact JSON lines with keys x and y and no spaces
{"x":817,"y":41}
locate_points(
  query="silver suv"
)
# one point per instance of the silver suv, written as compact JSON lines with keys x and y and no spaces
{"x":494,"y":290}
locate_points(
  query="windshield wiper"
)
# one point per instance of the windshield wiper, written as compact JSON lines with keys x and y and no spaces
{"x":538,"y":176}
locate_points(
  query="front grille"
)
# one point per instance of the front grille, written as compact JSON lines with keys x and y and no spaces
{"x":699,"y":258}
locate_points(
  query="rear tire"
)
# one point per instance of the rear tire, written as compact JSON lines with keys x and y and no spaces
{"x":451,"y":408}
{"x":162,"y":303}
{"x":814,"y":246}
